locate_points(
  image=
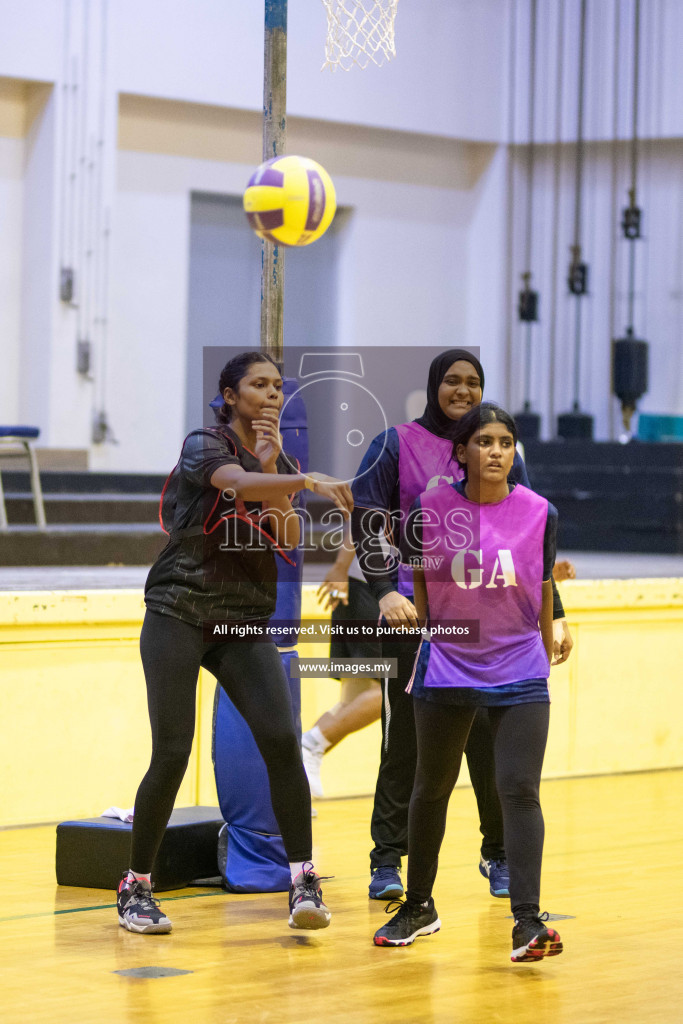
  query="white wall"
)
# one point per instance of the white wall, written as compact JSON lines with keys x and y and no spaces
{"x":146,"y":357}
{"x":68,"y":132}
{"x":486,"y":277}
{"x":38,"y":374}
{"x":608,"y":87}
{"x":658,"y":308}
{"x":445,"y":79}
{"x":396,"y":255}
{"x":428,"y":255}
{"x":31,"y":39}
{"x":11,"y":190}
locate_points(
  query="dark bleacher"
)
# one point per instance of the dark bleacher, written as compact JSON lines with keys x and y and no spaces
{"x":92,"y":519}
{"x":612,"y":497}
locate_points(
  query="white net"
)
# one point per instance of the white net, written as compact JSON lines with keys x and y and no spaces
{"x":359,"y":31}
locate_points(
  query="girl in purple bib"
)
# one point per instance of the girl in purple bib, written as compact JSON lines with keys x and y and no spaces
{"x":398,"y":466}
{"x":482,"y":552}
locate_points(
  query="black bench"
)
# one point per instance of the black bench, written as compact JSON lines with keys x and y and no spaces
{"x":95,"y":852}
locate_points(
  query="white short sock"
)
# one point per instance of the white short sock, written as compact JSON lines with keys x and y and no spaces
{"x":296,"y":867}
{"x":314,"y":739}
{"x":134,"y":876}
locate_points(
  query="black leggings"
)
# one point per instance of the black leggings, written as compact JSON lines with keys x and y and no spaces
{"x":253,"y":677}
{"x":520,"y":733}
{"x":389,"y":823}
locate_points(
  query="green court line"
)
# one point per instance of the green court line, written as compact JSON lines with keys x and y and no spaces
{"x":105,"y":906}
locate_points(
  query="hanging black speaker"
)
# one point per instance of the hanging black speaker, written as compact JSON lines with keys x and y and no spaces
{"x":577,"y":279}
{"x":631,"y":222}
{"x":629,"y":380}
{"x":528,"y":425}
{"x":575,"y":426}
{"x":527,"y":306}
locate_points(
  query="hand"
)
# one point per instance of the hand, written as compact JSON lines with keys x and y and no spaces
{"x":398,"y":610}
{"x":564,"y":571}
{"x":337,"y":490}
{"x":333,"y":589}
{"x":562,"y":641}
{"x":268,"y":441}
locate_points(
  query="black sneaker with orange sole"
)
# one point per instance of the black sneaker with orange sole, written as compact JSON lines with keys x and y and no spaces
{"x":532,"y":940}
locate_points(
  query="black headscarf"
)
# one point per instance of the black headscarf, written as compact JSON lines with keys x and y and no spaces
{"x":434,"y":418}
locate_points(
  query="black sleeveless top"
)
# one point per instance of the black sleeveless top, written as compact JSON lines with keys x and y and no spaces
{"x":219,"y":562}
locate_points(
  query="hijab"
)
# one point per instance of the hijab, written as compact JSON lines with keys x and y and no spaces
{"x":434,"y":418}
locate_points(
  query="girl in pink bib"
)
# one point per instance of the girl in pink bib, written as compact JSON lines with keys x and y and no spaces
{"x":482,"y":553}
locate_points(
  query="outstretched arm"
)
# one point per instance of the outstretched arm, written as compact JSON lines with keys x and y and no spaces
{"x":273,"y":485}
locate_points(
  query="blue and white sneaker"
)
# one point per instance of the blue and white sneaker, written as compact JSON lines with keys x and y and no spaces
{"x":386,"y":883}
{"x":496,"y":870}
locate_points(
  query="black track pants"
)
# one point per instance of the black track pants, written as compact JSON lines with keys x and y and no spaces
{"x":389,"y":823}
{"x":519,"y":738}
{"x":253,"y":677}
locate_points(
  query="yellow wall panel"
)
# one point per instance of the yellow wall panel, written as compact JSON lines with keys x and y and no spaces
{"x":350,"y":769}
{"x":74,"y":733}
{"x":205,"y":789}
{"x":630,"y":700}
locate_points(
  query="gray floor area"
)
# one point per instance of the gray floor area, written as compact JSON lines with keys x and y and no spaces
{"x":73,"y":577}
{"x":589,"y":565}
{"x":613,"y":565}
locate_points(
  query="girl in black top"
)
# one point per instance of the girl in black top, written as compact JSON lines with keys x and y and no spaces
{"x":231,"y":511}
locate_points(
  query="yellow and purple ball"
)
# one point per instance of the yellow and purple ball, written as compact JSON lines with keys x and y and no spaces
{"x":290,"y":200}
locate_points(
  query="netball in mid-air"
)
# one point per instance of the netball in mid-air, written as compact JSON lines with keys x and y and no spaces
{"x":290,"y":200}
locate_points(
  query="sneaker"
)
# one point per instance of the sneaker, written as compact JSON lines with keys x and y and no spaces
{"x":496,"y":870}
{"x":138,"y":910}
{"x":386,"y":883}
{"x":313,"y":759}
{"x":412,"y":919}
{"x":531,"y":940}
{"x":306,"y":907}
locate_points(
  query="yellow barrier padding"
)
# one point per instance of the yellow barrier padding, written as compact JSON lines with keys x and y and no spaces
{"x":75,"y":735}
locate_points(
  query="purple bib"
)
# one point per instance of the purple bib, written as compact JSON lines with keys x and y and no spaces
{"x":485,"y":562}
{"x":424,"y":461}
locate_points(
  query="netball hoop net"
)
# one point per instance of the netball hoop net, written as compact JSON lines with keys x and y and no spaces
{"x":359,"y":31}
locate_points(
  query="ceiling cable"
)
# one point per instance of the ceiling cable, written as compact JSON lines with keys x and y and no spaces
{"x":630,"y":354}
{"x":576,"y":424}
{"x":529,"y":423}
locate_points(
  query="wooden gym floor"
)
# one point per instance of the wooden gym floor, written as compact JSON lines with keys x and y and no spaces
{"x":612,"y":863}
